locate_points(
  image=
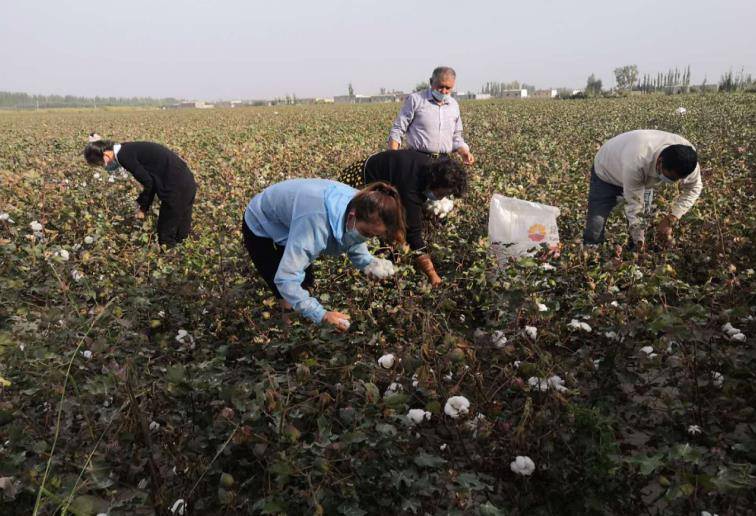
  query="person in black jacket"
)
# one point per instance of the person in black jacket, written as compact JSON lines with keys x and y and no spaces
{"x":161,"y":172}
{"x":418,"y":178}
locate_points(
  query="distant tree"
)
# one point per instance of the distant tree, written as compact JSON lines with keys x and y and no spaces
{"x":351,"y":90}
{"x":626,"y":76}
{"x":593,"y":86}
{"x":420,"y":86}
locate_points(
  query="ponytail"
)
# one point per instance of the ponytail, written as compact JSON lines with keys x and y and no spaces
{"x":381,"y":200}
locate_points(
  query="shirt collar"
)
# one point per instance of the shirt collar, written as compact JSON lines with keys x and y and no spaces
{"x":116,"y":148}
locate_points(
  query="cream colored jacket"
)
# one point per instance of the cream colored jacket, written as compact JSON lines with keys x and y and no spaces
{"x":629,"y":160}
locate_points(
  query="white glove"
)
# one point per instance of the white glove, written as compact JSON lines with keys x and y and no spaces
{"x":379,"y":268}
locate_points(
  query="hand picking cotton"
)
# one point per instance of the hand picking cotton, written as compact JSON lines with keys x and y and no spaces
{"x":516,"y":227}
{"x":380,"y":268}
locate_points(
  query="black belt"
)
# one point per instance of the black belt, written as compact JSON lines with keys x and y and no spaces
{"x":436,"y":155}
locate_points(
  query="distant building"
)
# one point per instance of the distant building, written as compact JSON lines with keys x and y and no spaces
{"x":545,"y":94}
{"x":201,"y":104}
{"x":468,"y":95}
{"x":514,"y":94}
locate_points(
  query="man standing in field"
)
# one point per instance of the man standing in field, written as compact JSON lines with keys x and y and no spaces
{"x":630,"y":165}
{"x":430,"y":120}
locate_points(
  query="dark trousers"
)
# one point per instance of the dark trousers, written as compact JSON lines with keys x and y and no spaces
{"x":602,"y":198}
{"x":175,"y":219}
{"x":266,"y":255}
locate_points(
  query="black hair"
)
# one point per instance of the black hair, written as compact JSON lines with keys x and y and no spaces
{"x":94,"y":151}
{"x":449,"y":174}
{"x":680,"y":159}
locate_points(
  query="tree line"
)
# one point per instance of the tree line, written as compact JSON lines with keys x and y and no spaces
{"x":17,"y":100}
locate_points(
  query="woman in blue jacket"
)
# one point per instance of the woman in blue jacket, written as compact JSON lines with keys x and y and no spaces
{"x":289,"y":224}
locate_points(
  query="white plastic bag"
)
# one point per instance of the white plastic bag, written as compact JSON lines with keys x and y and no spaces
{"x":517,"y":228}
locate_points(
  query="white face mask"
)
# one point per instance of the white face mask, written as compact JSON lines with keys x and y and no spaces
{"x":664,"y":179}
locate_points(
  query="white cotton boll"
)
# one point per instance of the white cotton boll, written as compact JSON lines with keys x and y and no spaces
{"x":449,"y":376}
{"x":178,"y":507}
{"x":380,"y":268}
{"x":474,"y":424}
{"x":77,"y":275}
{"x":62,"y":254}
{"x":538,"y":384}
{"x":522,"y":465}
{"x":415,"y":380}
{"x":531,"y":331}
{"x":96,"y":175}
{"x":613,"y":289}
{"x":611,"y":335}
{"x":516,"y":364}
{"x":457,"y":406}
{"x":542,"y":307}
{"x":707,"y":513}
{"x":694,"y":429}
{"x":392,"y":389}
{"x":717,"y":378}
{"x":498,"y":339}
{"x":652,"y":355}
{"x":154,"y":425}
{"x":637,"y":274}
{"x":89,"y":240}
{"x":111,"y":179}
{"x":738,"y":337}
{"x":548,"y":267}
{"x":35,"y":226}
{"x":4,"y":217}
{"x":681,"y":110}
{"x":87,"y":354}
{"x":557,"y":383}
{"x":443,"y":447}
{"x":647,"y":350}
{"x":729,"y":329}
{"x":440,"y":208}
{"x":479,"y":333}
{"x":597,"y":363}
{"x":579,"y":325}
{"x":614,"y":304}
{"x":417,"y":415}
{"x":387,"y":361}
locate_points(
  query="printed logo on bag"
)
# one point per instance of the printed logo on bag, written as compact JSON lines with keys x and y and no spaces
{"x":537,"y":232}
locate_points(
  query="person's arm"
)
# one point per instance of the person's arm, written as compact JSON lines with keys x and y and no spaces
{"x":401,"y":123}
{"x":132,"y":164}
{"x":690,"y":190}
{"x":300,"y":251}
{"x":459,"y":145}
{"x":633,"y":190}
{"x":360,"y":256}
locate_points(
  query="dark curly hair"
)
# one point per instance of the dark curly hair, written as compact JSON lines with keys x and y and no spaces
{"x":449,"y":174}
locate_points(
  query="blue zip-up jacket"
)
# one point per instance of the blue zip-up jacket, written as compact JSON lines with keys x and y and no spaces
{"x":308,"y":217}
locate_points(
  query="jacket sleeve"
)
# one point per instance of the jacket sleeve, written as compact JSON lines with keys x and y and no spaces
{"x":413,"y":208}
{"x":360,"y":256}
{"x":131,"y":163}
{"x":633,"y":190}
{"x":302,"y":248}
{"x":403,"y":119}
{"x":690,"y":190}
{"x":457,"y":141}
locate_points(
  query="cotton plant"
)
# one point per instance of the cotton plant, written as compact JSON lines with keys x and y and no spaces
{"x":531,"y":331}
{"x":387,"y":361}
{"x":393,"y":388}
{"x":498,"y":339}
{"x":457,"y":406}
{"x":184,"y":337}
{"x":417,"y":416}
{"x":541,"y":307}
{"x":522,"y":465}
{"x":380,"y":268}
{"x":440,"y":208}
{"x":694,"y":429}
{"x":5,"y":217}
{"x":717,"y":378}
{"x":681,"y":111}
{"x":579,"y":325}
{"x":733,"y":333}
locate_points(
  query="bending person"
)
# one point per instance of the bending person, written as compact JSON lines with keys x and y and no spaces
{"x":289,"y":224}
{"x":417,"y":178}
{"x":631,"y":165}
{"x":161,"y":172}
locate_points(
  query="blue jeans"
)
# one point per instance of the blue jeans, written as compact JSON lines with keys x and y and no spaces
{"x":602,"y":198}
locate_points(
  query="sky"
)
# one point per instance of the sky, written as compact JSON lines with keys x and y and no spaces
{"x":236,"y":49}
